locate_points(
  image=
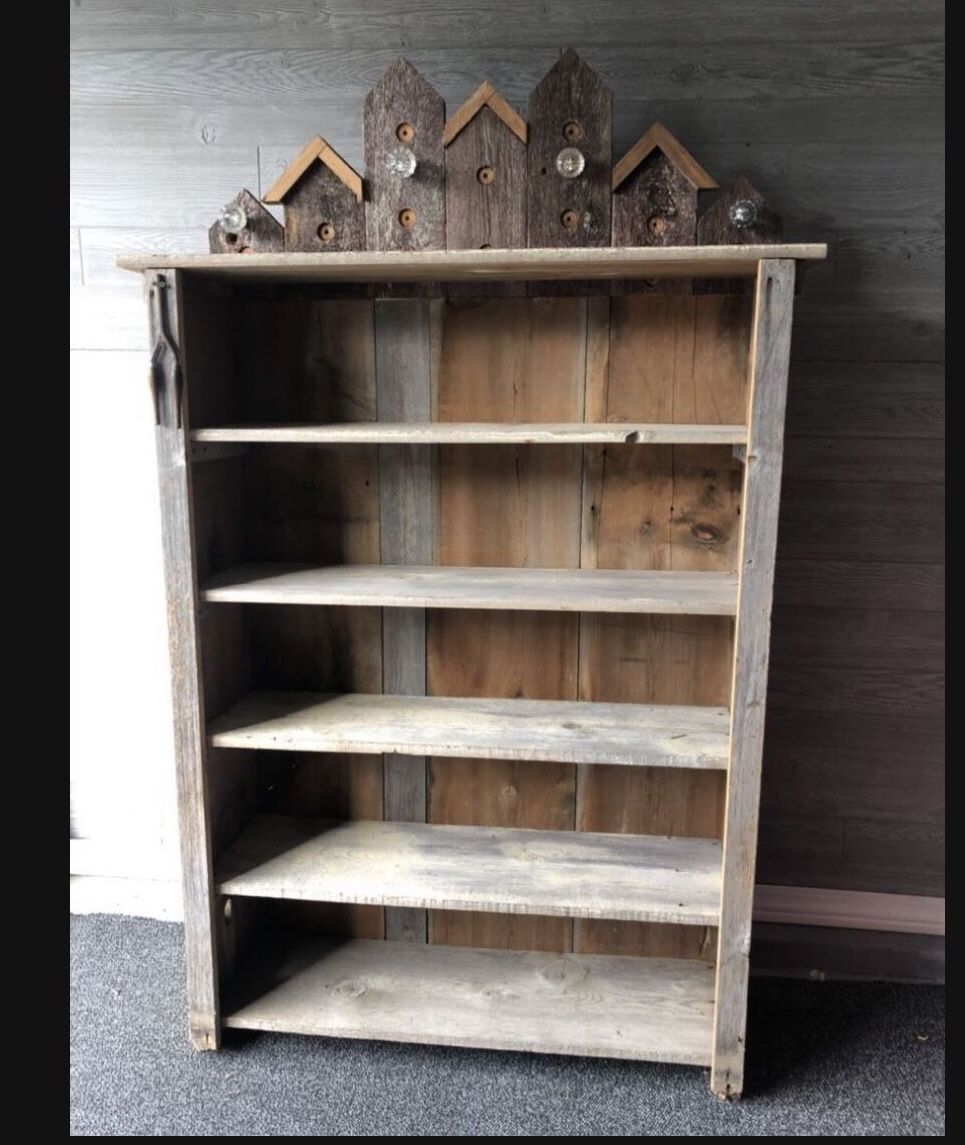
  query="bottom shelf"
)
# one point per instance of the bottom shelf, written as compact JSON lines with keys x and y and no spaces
{"x":651,"y":1009}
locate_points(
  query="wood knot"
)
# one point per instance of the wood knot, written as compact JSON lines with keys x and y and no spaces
{"x":405,"y":132}
{"x":565,"y":972}
{"x":326,"y":232}
{"x":570,"y":219}
{"x":705,"y":534}
{"x":407,"y":217}
{"x":350,"y":988}
{"x":485,"y":175}
{"x":656,"y":225}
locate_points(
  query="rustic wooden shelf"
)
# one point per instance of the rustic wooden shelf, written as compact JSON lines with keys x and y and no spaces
{"x":482,"y":265}
{"x":550,"y":730}
{"x":476,"y":433}
{"x":654,"y":1009}
{"x":503,"y":870}
{"x":414,"y":586}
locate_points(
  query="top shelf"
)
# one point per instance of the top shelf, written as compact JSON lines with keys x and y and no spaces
{"x":462,"y":265}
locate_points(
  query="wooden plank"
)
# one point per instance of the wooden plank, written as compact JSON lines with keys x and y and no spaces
{"x":486,"y":185}
{"x":592,"y":1006}
{"x":405,"y":212}
{"x":853,"y":910}
{"x":553,"y":590}
{"x":102,"y":245}
{"x":860,"y":584}
{"x":180,"y":577}
{"x":507,"y":506}
{"x":501,"y":869}
{"x":917,"y":461}
{"x":771,"y":343}
{"x":403,"y":363}
{"x":662,"y":357}
{"x":548,"y":730}
{"x":415,"y":265}
{"x":479,"y":433}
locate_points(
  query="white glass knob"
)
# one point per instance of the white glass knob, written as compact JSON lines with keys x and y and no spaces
{"x":401,"y":161}
{"x":570,"y":162}
{"x":743,"y":213}
{"x":234,"y":218}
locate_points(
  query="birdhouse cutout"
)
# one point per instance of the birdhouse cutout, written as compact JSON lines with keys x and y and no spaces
{"x":245,"y":227}
{"x":570,"y":152}
{"x":739,"y":216}
{"x":403,"y":121}
{"x":322,"y":196}
{"x":485,"y":142}
{"x":655,"y":189}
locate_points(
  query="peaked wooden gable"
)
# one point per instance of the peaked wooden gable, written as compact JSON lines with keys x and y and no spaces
{"x":322,"y":196}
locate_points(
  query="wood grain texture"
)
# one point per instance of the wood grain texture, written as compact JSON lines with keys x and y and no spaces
{"x":598,"y":1007}
{"x":479,"y":433}
{"x":174,"y":475}
{"x":570,"y":92}
{"x":427,"y":265}
{"x":664,"y":508}
{"x":398,"y":586}
{"x":403,"y":97}
{"x":771,"y":346}
{"x":658,"y":138}
{"x":512,"y":507}
{"x":403,"y":355}
{"x":498,"y":869}
{"x":510,"y":729}
{"x":323,"y":214}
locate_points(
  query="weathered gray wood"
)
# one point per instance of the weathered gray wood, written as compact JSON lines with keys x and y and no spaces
{"x":456,"y":266}
{"x":771,"y":345}
{"x":486,"y":186}
{"x":403,"y":111}
{"x":402,"y":379}
{"x":592,"y":1005}
{"x":481,"y":433}
{"x":262,"y":232}
{"x":174,"y":475}
{"x":322,"y":214}
{"x":554,"y":590}
{"x":569,"y":108}
{"x":565,"y":731}
{"x":498,"y":869}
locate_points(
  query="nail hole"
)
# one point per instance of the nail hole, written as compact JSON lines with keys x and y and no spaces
{"x":326,"y":232}
{"x":485,"y":175}
{"x":570,"y":219}
{"x":572,"y":131}
{"x":231,"y":238}
{"x":405,"y":132}
{"x":407,"y":216}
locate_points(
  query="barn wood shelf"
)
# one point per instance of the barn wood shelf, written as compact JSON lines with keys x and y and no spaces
{"x":469,"y":730}
{"x":470,"y":433}
{"x":564,"y":731}
{"x":412,"y":586}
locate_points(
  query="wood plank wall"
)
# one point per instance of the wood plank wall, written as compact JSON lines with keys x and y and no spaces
{"x":834,"y":111}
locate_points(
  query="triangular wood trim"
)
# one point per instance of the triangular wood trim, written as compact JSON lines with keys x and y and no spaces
{"x":659,"y":136}
{"x":484,"y":96}
{"x":314,"y":149}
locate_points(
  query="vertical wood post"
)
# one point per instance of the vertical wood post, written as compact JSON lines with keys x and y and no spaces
{"x":402,"y":380}
{"x":770,"y":352}
{"x":180,"y":578}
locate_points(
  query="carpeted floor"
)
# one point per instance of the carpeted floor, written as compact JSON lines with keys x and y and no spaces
{"x":825,"y":1059}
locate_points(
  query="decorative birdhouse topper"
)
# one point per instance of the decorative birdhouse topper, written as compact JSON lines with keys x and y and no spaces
{"x":322,"y":195}
{"x":245,"y":226}
{"x":655,"y":189}
{"x":485,"y":142}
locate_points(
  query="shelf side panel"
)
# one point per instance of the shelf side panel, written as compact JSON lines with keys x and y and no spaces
{"x":771,"y":344}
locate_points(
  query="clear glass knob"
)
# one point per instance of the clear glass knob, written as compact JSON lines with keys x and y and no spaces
{"x":743,"y":213}
{"x":234,"y":218}
{"x":401,"y":161}
{"x":570,"y":162}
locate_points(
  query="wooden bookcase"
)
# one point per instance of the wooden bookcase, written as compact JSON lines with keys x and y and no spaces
{"x":469,"y":602}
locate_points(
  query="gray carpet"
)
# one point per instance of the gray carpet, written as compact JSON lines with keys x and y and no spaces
{"x":825,"y":1059}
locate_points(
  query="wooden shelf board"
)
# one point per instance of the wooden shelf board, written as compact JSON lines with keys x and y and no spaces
{"x":502,"y":870}
{"x":651,"y":1009}
{"x":460,"y":265}
{"x":416,"y":586}
{"x":478,"y":433}
{"x":562,"y":731}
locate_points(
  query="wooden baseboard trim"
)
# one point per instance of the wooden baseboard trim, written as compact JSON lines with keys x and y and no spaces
{"x":851,"y":910}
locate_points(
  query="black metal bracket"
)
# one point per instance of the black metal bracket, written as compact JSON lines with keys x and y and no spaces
{"x":166,"y":376}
